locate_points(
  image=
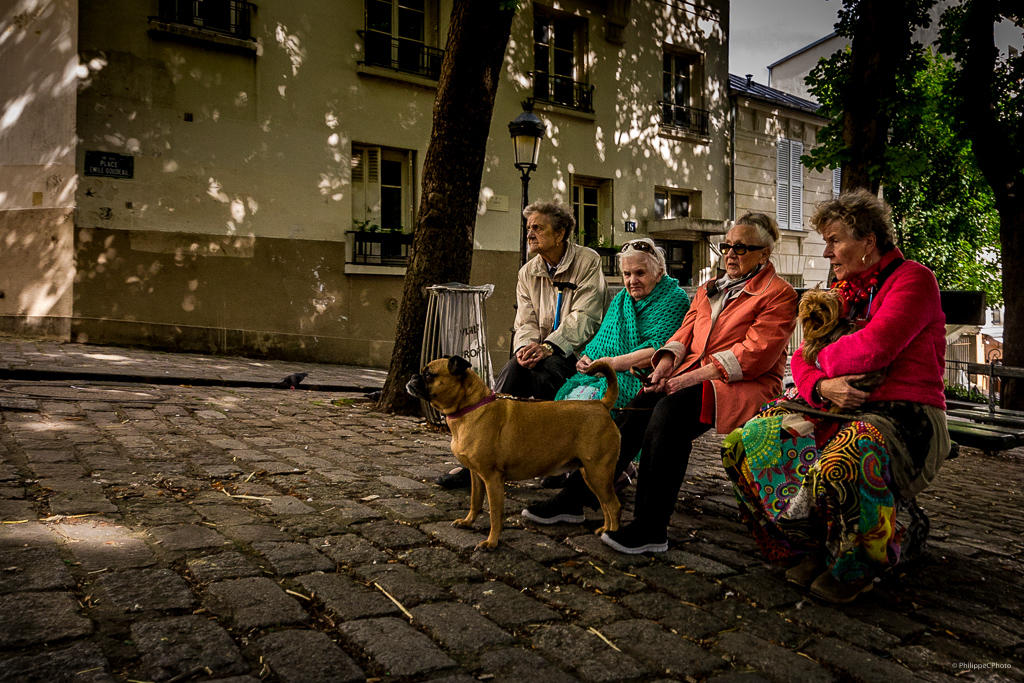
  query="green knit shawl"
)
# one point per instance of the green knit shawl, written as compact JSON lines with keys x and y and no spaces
{"x":629,"y":326}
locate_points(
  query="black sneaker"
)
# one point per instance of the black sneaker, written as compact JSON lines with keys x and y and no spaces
{"x":554,"y":510}
{"x":459,"y":479}
{"x":634,"y":539}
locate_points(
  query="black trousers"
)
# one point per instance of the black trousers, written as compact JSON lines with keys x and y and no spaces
{"x":664,"y":426}
{"x":542,"y":381}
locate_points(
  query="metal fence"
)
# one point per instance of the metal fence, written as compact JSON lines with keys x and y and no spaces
{"x":223,"y":16}
{"x":561,"y":90}
{"x":400,"y":54}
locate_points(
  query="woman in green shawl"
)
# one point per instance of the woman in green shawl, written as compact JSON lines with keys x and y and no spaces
{"x":639,"y":321}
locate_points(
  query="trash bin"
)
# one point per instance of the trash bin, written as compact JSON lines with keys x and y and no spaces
{"x":456,"y":326}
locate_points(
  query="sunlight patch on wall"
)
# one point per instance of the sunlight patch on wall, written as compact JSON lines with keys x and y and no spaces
{"x":292,"y":46}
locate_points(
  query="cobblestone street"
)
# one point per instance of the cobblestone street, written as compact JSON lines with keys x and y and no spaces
{"x":235,"y":532}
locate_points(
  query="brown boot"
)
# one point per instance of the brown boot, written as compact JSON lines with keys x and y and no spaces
{"x":810,"y":568}
{"x":830,"y":589}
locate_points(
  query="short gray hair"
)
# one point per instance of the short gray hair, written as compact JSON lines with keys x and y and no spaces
{"x":655,"y":258}
{"x":766,"y":227}
{"x":561,"y":218}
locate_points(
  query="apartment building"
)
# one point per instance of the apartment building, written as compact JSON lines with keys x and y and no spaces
{"x":236,"y":177}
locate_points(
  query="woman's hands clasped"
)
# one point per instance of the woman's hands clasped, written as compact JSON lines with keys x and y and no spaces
{"x":840,"y":393}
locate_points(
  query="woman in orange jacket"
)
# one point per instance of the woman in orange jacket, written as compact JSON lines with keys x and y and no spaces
{"x":723,"y":363}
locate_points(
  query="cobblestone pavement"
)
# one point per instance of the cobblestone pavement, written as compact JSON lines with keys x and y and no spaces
{"x":176,"y":533}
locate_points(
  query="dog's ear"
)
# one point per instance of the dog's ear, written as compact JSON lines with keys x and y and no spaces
{"x":457,"y":366}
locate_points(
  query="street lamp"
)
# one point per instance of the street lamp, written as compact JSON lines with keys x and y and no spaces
{"x":527,"y":131}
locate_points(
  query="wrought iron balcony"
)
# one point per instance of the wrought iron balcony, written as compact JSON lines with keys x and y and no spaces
{"x":563,"y":91}
{"x":380,"y":248}
{"x":231,"y":17}
{"x":399,"y":54}
{"x":687,"y":118}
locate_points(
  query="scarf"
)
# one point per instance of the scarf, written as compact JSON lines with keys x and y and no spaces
{"x":628,"y":326}
{"x":858,"y":290}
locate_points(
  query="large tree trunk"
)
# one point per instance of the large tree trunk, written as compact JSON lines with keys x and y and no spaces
{"x":998,"y":146}
{"x":881,"y":41}
{"x":442,"y":248}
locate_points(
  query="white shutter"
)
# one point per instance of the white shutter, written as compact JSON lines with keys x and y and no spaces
{"x":782,"y":194}
{"x":796,"y":186}
{"x":837,"y":181}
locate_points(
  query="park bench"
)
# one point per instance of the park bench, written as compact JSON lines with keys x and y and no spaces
{"x":987,"y":427}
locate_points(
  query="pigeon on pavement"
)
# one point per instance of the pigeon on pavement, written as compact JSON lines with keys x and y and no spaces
{"x":292,"y":380}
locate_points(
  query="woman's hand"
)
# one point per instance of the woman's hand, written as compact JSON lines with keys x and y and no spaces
{"x":661,"y":373}
{"x":583,"y":364}
{"x":692,"y":378}
{"x":840,"y":393}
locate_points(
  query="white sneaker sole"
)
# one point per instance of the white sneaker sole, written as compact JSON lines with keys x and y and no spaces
{"x":564,"y":518}
{"x":639,"y":550}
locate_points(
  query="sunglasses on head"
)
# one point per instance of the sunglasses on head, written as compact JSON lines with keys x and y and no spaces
{"x":639,"y":245}
{"x":739,"y":248}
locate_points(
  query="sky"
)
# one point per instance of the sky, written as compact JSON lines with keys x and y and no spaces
{"x":765,"y":31}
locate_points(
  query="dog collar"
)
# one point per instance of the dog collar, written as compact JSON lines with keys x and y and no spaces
{"x":468,"y":409}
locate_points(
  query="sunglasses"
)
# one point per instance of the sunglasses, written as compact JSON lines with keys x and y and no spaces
{"x":639,"y":246}
{"x":739,"y":248}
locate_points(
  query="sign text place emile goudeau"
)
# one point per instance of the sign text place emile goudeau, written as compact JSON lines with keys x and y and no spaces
{"x":109,"y":164}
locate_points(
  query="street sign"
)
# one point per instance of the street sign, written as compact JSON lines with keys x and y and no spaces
{"x":109,"y":164}
{"x":630,"y":226}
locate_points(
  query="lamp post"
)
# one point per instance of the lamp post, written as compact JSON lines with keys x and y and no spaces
{"x":527,"y":131}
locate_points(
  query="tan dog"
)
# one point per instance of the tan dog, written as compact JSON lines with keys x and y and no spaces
{"x":822,"y":321}
{"x":502,"y":439}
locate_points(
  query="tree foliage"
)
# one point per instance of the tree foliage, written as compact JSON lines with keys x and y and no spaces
{"x":943,"y":209}
{"x":863,"y":90}
{"x":988,"y":108}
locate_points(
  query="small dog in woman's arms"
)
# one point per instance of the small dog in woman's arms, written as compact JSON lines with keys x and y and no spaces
{"x":823,"y":322}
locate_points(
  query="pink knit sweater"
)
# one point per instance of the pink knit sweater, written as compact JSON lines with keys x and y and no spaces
{"x":906,"y":333}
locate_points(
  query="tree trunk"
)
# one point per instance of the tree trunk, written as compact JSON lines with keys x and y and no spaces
{"x":998,"y":145}
{"x":442,"y":248}
{"x":881,"y":41}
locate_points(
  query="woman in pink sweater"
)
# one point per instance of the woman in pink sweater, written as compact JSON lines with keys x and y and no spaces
{"x":819,"y":473}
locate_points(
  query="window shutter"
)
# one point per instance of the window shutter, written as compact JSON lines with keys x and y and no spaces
{"x":782,"y":193}
{"x":366,"y":184}
{"x":837,"y":181}
{"x":796,"y":186}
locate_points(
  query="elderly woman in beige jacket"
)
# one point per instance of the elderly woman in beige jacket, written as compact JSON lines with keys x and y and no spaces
{"x":546,"y":352}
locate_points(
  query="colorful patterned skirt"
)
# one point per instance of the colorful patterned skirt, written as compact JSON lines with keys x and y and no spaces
{"x":807,"y":484}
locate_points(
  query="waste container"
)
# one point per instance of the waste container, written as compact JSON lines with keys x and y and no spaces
{"x":457,"y":326}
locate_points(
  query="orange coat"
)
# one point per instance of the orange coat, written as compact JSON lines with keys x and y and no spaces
{"x":747,"y":344}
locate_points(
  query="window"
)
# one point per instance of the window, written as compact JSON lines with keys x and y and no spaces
{"x":681,"y":93}
{"x":678,"y":260}
{"x":592,"y":210}
{"x":795,"y":279}
{"x":382,"y":196}
{"x":396,"y":36}
{"x":223,"y":16}
{"x":837,"y":181}
{"x":789,"y":185}
{"x":670,"y":203}
{"x":558,"y":46}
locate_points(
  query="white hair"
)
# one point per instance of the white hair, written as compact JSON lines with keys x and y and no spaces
{"x":655,"y":258}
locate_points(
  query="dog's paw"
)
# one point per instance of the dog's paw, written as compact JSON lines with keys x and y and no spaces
{"x":487,"y":545}
{"x":462,"y":524}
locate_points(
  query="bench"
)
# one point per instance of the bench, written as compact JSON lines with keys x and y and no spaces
{"x":987,"y":427}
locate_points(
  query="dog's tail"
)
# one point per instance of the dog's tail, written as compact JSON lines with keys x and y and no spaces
{"x":611,"y":394}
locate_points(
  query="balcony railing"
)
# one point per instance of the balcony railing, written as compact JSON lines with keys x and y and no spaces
{"x":399,"y":54}
{"x":563,"y":91}
{"x":687,"y":118}
{"x":380,"y":248}
{"x":231,"y":17}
